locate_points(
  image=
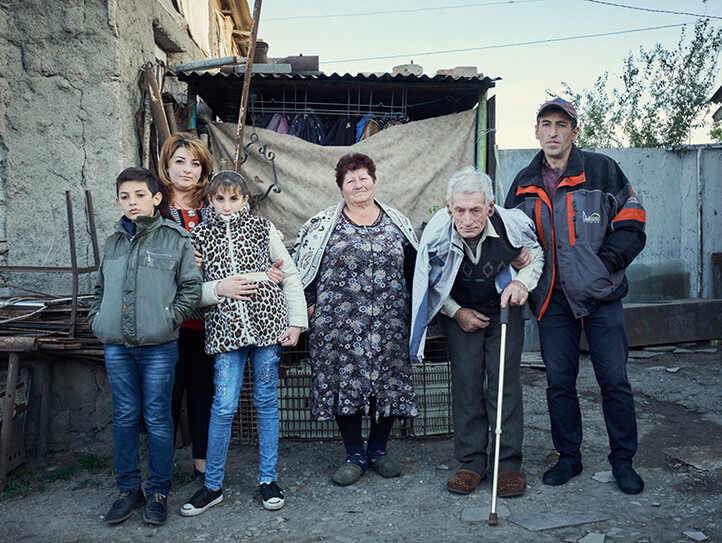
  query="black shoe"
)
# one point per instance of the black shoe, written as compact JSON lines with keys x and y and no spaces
{"x":561,"y":473}
{"x":156,"y":509}
{"x":201,"y":500}
{"x":124,"y":505}
{"x":199,"y":475}
{"x":628,"y":480}
{"x":272,"y":496}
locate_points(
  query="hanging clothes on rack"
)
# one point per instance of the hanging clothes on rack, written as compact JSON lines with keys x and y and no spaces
{"x":279,"y":123}
{"x":387,"y":122}
{"x":342,"y":133}
{"x":367,"y":126}
{"x":307,"y":126}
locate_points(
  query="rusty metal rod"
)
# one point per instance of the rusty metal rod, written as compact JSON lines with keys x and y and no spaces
{"x":93,"y":233}
{"x":46,"y":269}
{"x":67,"y":269}
{"x":8,"y":411}
{"x":73,"y":262}
{"x":246,"y":87}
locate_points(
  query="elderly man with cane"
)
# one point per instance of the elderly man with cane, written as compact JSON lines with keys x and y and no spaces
{"x":591,"y":224}
{"x":463,"y":271}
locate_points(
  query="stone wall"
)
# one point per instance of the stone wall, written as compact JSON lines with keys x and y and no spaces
{"x":68,"y":95}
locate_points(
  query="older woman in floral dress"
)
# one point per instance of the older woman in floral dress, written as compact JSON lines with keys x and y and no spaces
{"x":356,"y":261}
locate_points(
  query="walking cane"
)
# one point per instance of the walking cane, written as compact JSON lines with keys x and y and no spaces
{"x":504,"y":317}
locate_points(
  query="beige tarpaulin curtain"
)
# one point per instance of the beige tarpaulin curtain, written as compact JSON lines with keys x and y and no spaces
{"x":413,"y":164}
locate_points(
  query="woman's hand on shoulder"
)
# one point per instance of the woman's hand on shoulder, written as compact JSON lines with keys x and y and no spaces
{"x":274,"y":273}
{"x":199,"y":259}
{"x":237,"y":288}
{"x":522,"y":260}
{"x":290,"y":337}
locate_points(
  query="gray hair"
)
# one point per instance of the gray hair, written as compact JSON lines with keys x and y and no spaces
{"x":470,"y":181}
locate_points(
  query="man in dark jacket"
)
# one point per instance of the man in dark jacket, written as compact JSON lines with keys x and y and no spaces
{"x":591,"y":226}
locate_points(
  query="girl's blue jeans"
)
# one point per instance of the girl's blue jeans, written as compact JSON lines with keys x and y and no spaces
{"x":228,"y":380}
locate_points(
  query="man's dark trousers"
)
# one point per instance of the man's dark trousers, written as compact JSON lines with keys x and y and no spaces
{"x":559,"y":334}
{"x":474,"y":355}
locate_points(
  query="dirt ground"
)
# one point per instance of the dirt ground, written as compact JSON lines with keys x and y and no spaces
{"x":679,"y":410}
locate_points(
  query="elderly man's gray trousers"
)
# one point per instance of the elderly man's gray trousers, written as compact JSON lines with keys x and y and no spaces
{"x":474,"y":355}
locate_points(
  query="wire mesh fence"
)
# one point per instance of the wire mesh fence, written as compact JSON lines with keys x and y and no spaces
{"x":432,"y":384}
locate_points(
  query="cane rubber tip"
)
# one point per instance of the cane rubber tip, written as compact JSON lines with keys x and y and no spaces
{"x":493,"y":521}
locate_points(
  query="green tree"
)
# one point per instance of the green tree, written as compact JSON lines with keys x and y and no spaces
{"x":660,"y":97}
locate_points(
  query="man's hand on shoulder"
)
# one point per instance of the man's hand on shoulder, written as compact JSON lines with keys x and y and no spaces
{"x":471,"y":320}
{"x":515,"y":293}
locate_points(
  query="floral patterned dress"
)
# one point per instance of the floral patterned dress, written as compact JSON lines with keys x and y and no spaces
{"x":359,"y":330}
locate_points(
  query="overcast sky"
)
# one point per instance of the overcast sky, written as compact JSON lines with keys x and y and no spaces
{"x":349,"y":36}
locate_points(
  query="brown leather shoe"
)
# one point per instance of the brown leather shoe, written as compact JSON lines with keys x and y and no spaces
{"x":464,"y":481}
{"x":511,"y":483}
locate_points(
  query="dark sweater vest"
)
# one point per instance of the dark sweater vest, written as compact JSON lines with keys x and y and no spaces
{"x":474,"y":285}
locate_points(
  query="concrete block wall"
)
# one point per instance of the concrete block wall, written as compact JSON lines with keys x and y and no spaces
{"x":682,"y":195}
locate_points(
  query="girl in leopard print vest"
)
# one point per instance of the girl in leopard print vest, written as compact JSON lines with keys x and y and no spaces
{"x":246,"y":317}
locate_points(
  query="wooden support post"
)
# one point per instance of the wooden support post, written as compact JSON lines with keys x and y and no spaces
{"x":8,"y":411}
{"x":170,"y":115}
{"x":46,"y":374}
{"x":146,"y":131}
{"x":156,"y":105}
{"x":246,"y":87}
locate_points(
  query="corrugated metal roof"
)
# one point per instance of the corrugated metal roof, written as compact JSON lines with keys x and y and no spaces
{"x":480,"y":79}
{"x":418,"y":97}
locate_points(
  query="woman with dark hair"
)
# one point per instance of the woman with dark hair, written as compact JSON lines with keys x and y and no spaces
{"x":356,"y":262}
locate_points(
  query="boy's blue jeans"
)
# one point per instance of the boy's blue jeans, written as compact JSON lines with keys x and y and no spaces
{"x":141,"y":381}
{"x":228,"y":381}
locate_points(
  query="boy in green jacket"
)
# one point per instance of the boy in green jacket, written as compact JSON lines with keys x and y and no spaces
{"x":148,"y":283}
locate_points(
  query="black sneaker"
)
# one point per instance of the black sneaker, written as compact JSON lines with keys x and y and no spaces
{"x":156,"y":509}
{"x":201,"y":500}
{"x":272,"y":496}
{"x":124,"y":505}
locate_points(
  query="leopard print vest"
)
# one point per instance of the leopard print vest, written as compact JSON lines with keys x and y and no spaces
{"x":239,"y":246}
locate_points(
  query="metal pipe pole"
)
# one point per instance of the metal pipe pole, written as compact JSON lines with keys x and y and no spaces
{"x":246,"y":87}
{"x":481,"y":134}
{"x":504,"y":318}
